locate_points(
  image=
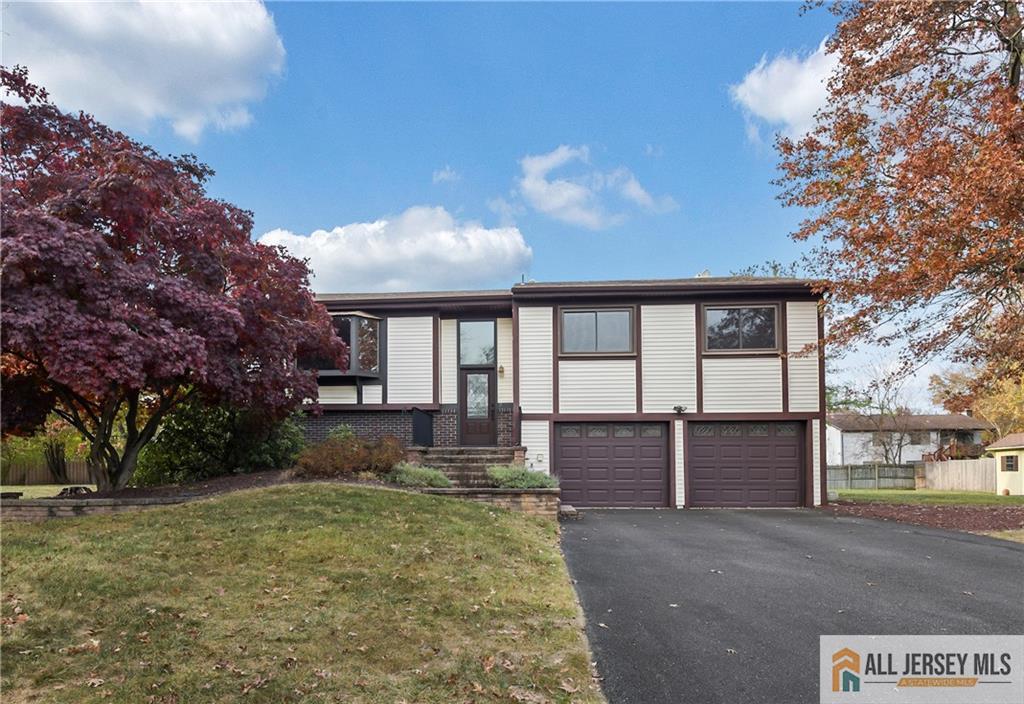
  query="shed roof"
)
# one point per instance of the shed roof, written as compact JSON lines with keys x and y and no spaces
{"x":866,"y":423}
{"x":1013,"y":441}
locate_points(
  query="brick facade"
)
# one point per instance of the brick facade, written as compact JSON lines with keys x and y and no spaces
{"x":446,"y":426}
{"x":375,"y":424}
{"x":371,"y":425}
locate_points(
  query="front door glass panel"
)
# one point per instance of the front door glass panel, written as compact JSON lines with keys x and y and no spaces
{"x":477,"y":397}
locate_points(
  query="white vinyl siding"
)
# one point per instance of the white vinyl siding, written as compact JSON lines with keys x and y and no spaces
{"x":669,"y":357}
{"x":449,"y":361}
{"x":373,"y":394}
{"x":597,"y":386}
{"x":816,"y":460}
{"x":337,"y":394}
{"x":535,"y":360}
{"x":536,"y":439}
{"x":410,"y":360}
{"x":505,"y":381}
{"x":802,"y":330}
{"x":680,"y":439}
{"x":742,"y":385}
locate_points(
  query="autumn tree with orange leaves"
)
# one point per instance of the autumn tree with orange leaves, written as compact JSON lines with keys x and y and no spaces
{"x":913,"y":178}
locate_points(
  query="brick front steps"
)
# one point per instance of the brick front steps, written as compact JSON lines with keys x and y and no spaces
{"x":465,"y":466}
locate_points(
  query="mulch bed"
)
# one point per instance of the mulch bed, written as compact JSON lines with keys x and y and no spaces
{"x":966,"y":518}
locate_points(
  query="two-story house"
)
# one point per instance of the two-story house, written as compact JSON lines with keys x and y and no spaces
{"x":660,"y":393}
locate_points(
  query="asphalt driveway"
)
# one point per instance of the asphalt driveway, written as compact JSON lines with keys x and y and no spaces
{"x":727,"y":605}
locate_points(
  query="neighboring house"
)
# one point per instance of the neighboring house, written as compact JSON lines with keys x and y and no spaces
{"x":854,"y":438}
{"x":1009,"y":454}
{"x":688,"y":392}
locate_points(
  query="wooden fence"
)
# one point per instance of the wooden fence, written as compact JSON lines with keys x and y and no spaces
{"x":961,"y":475}
{"x":35,"y":471}
{"x":870,"y":476}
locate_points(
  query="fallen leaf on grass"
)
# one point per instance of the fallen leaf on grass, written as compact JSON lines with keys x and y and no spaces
{"x":521,"y":694}
{"x":569,"y":686}
{"x":90,"y":646}
{"x":257,"y":683}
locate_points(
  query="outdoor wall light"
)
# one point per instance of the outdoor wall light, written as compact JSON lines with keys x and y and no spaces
{"x":680,"y":410}
{"x":501,"y":370}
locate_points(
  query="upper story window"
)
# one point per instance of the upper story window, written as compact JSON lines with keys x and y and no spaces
{"x":361,"y":332}
{"x":741,"y":328}
{"x":477,"y":343}
{"x":600,"y":331}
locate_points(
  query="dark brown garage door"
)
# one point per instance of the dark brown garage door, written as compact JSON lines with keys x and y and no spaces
{"x":612,"y":464}
{"x":745,"y":464}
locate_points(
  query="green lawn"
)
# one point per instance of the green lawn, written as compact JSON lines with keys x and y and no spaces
{"x":41,"y":491}
{"x":929,"y":497}
{"x":297,"y":593}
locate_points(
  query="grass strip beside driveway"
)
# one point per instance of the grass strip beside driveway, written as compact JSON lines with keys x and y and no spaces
{"x":929,"y":497}
{"x":310,"y":593}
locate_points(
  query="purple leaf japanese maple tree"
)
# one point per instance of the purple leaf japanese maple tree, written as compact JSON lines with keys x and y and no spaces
{"x":127,"y":289}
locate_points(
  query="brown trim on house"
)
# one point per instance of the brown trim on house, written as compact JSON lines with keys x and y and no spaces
{"x":517,"y":430}
{"x":822,"y":466}
{"x":671,"y":464}
{"x":687,"y":499}
{"x":638,"y":348}
{"x":374,"y":407}
{"x":551,"y":450}
{"x":437,"y":359}
{"x":660,"y":417}
{"x":655,"y":287}
{"x":384,"y":361}
{"x":783,"y":331}
{"x":698,"y":316}
{"x":809,"y":463}
{"x":556,"y":337}
{"x":596,"y":357}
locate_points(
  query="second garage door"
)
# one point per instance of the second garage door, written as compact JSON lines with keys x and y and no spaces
{"x":745,"y":464}
{"x":612,"y":464}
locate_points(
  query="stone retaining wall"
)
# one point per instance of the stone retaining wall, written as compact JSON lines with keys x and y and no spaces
{"x":41,"y":509}
{"x":535,"y":502}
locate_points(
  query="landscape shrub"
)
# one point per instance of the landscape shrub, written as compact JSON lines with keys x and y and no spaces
{"x":406,"y":474}
{"x":343,"y":454}
{"x":333,"y":458}
{"x":385,"y":454}
{"x":513,"y":476}
{"x":198,"y":441}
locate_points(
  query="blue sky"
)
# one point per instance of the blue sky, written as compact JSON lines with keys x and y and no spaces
{"x":446,"y":146}
{"x":321,"y":116}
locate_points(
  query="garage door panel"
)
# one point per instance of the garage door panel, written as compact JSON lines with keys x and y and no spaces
{"x":745,"y":464}
{"x":620,"y":464}
{"x":786,"y":452}
{"x":570,"y":453}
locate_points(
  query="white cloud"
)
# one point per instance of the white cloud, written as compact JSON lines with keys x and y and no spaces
{"x":578,"y":200}
{"x":654,"y":151}
{"x":424,"y":248}
{"x":784,"y":93}
{"x":445,"y":175}
{"x":197,"y":64}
